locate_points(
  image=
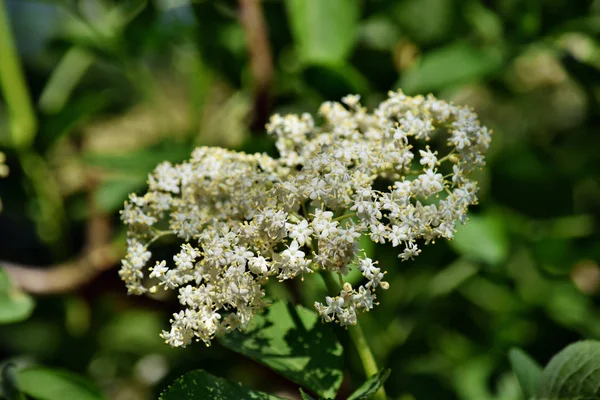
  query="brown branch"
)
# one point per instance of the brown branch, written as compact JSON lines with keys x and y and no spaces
{"x":261,"y":59}
{"x":64,"y":277}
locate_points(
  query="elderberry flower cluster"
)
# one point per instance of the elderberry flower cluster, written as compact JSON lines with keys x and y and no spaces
{"x":398,"y":175}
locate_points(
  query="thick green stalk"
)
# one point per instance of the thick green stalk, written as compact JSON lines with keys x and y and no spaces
{"x":23,"y":121}
{"x":357,"y":336}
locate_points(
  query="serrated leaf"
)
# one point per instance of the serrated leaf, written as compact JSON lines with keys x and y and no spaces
{"x":201,"y":385}
{"x":454,"y":64}
{"x":48,"y":384}
{"x":293,"y":342}
{"x":15,"y":305}
{"x":371,"y":385}
{"x":527,"y":371}
{"x":482,"y":238}
{"x":324,"y":31}
{"x":573,"y":374}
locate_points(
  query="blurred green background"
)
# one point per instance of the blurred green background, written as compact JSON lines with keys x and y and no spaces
{"x":114,"y":87}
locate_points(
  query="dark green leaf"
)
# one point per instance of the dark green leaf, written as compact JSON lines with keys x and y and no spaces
{"x":72,"y":116}
{"x":425,"y":20}
{"x":371,"y":385}
{"x":527,"y":371}
{"x":200,"y":385}
{"x":454,"y":64}
{"x":48,"y":384}
{"x":324,"y":31}
{"x":573,"y":374}
{"x":293,"y":342}
{"x":15,"y":305}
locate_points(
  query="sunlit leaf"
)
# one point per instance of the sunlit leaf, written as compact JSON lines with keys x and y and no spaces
{"x":15,"y":305}
{"x":48,"y":384}
{"x":324,"y":31}
{"x":293,"y":342}
{"x":526,"y":370}
{"x":200,"y":385}
{"x":371,"y":386}
{"x":574,"y":373}
{"x":482,"y":238}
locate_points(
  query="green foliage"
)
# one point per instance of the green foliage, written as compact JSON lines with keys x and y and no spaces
{"x":371,"y":386}
{"x":15,"y":305}
{"x":482,"y":239}
{"x":321,"y":39}
{"x":10,"y":387}
{"x":527,"y":371}
{"x":574,"y":373}
{"x":118,"y":87}
{"x":200,"y":385}
{"x":449,"y":66}
{"x":304,"y":395}
{"x":292,"y":341}
{"x":51,"y":384}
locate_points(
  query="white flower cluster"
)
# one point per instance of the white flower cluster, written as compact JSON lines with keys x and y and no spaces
{"x":246,"y":218}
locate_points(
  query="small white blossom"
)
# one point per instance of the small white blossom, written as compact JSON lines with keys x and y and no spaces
{"x":244,"y":218}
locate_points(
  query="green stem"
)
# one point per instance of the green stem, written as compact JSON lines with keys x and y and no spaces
{"x":23,"y":121}
{"x":342,"y":217}
{"x":359,"y":340}
{"x":446,"y":157}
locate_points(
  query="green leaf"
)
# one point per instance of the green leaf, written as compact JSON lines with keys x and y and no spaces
{"x":200,"y":385}
{"x":451,"y":277}
{"x":425,"y":21}
{"x":137,"y":164}
{"x":527,"y":371}
{"x":454,"y":64}
{"x":371,"y":385}
{"x":10,"y":387}
{"x":112,"y":193}
{"x":573,"y":374}
{"x":293,"y":342}
{"x":324,"y":31}
{"x":73,"y":115}
{"x":15,"y":305}
{"x":482,"y":238}
{"x":48,"y":384}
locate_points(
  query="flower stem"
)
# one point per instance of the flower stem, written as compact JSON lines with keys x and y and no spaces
{"x":359,"y":340}
{"x":342,"y":217}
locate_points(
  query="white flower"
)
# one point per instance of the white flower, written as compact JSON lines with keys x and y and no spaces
{"x":243,"y":218}
{"x":300,"y":232}
{"x":428,"y":158}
